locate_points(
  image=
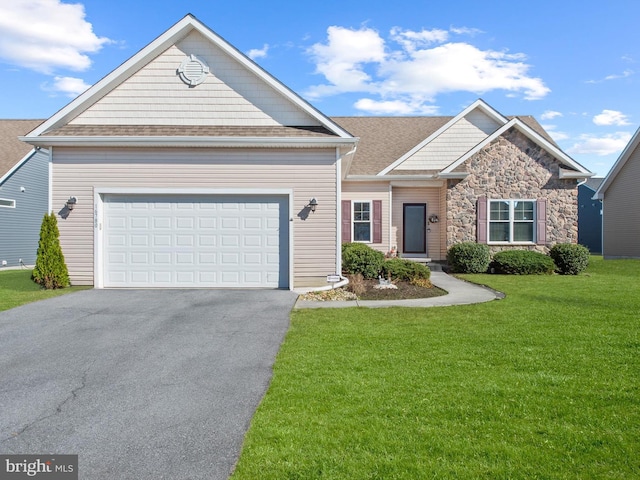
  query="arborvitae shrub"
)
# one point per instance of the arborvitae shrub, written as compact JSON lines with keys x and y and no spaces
{"x":469,"y":257}
{"x":522,"y":262}
{"x":361,"y":258}
{"x":570,"y":258}
{"x":50,"y":270}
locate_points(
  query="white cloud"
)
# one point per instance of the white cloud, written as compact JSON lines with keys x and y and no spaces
{"x":615,"y":76}
{"x":69,"y":86}
{"x":45,"y":35}
{"x":255,"y":53}
{"x":601,"y":145}
{"x":420,"y":68}
{"x":556,"y":135}
{"x":341,"y":60}
{"x":611,"y":117}
{"x":395,"y":107}
{"x":465,"y":31}
{"x":550,"y":114}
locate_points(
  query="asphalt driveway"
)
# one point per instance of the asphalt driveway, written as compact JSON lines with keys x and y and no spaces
{"x":140,"y":384}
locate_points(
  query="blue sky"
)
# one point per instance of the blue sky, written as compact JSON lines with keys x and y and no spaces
{"x":574,"y":65}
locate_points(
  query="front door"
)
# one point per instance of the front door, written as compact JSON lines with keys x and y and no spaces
{"x":414,"y":228}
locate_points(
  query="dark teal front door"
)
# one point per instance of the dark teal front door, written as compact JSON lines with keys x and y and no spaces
{"x":414,"y":228}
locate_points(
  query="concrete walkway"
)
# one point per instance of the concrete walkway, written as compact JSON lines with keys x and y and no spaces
{"x":459,"y":293}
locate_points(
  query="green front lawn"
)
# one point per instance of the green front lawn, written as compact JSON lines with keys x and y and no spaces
{"x":543,"y":384}
{"x":17,"y":288}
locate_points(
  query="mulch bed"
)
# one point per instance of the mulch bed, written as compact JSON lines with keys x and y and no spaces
{"x":404,"y":291}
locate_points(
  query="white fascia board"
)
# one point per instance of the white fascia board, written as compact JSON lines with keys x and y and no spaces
{"x":529,"y":133}
{"x":564,"y":173}
{"x":160,"y":44}
{"x":387,"y":178}
{"x":454,"y":175}
{"x":620,"y":162}
{"x":169,"y":141}
{"x":479,"y":104}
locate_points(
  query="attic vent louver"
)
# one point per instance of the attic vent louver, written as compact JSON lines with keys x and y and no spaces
{"x":193,"y":71}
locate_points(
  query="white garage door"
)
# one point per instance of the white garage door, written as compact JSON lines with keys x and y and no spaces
{"x":196,"y":241}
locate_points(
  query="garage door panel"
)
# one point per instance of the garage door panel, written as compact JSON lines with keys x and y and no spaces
{"x":196,"y":241}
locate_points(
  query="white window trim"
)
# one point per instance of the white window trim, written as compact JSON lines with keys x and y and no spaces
{"x":8,"y":200}
{"x":512,"y":202}
{"x":353,"y":221}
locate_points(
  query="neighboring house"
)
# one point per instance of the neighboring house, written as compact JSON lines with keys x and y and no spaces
{"x":590,"y":215}
{"x":24,"y":193}
{"x":193,"y":167}
{"x":620,"y":197}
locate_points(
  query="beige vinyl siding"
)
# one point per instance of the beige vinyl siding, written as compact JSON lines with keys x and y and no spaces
{"x":433,"y":198}
{"x":368,"y":191}
{"x":308,"y":172}
{"x":621,"y":211}
{"x":452,"y":143}
{"x":230,"y":95}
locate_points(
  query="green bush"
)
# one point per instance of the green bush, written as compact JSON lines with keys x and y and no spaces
{"x":50,"y":270}
{"x":402,"y":269}
{"x":469,"y":257}
{"x":522,"y":262}
{"x":360,"y":258}
{"x":570,"y":258}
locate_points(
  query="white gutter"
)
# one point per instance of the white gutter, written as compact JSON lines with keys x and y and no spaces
{"x":170,"y":141}
{"x":564,"y":173}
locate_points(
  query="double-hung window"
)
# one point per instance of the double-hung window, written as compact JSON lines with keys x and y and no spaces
{"x":361,"y":221}
{"x":512,"y":221}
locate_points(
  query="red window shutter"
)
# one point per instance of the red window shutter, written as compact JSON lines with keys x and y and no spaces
{"x":377,"y":221}
{"x":541,"y":221}
{"x":346,"y":221}
{"x":481,"y":220}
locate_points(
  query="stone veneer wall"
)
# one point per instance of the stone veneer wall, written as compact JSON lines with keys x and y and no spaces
{"x":513,"y":167}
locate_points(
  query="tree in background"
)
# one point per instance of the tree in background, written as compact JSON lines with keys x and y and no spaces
{"x":50,"y":270}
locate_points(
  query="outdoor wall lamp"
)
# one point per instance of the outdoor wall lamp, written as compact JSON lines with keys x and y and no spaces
{"x":71,"y":203}
{"x":433,"y":218}
{"x":313,"y":204}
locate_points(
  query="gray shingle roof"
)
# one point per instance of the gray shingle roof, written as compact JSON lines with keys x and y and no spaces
{"x":13,"y":150}
{"x":383,"y":140}
{"x":73,"y":130}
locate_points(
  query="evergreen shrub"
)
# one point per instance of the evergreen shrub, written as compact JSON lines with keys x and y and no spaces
{"x":570,"y":258}
{"x":522,"y":262}
{"x":469,"y":257}
{"x":50,"y":270}
{"x":361,"y":258}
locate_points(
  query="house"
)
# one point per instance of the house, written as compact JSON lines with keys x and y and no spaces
{"x":429,"y":183}
{"x":590,"y":215}
{"x":190,"y":166}
{"x":621,"y":204}
{"x":24,"y":193}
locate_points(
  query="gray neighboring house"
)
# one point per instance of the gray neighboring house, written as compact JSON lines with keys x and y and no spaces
{"x":621,"y":204}
{"x":24,"y":193}
{"x":590,"y":215}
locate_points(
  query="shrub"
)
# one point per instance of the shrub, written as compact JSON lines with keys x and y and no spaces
{"x":50,"y":270}
{"x":469,"y":257}
{"x":522,"y":262}
{"x":360,"y":258}
{"x":402,"y":269}
{"x":570,"y":258}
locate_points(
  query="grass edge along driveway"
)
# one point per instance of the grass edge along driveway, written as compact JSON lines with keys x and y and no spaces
{"x":542,"y":384}
{"x":17,"y":288}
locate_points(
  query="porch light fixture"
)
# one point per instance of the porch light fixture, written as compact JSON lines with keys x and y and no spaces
{"x":433,"y":218}
{"x":313,"y":203}
{"x":71,"y":203}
